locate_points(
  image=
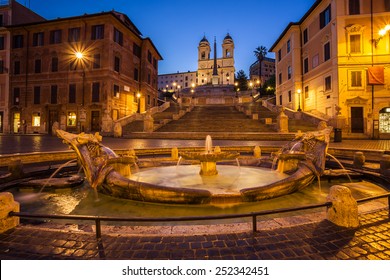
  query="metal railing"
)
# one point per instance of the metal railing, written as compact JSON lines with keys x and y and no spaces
{"x":253,"y":215}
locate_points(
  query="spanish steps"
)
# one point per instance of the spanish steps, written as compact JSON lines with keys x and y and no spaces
{"x":217,"y":118}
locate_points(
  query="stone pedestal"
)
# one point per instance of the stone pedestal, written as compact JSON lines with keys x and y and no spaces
{"x":117,"y":130}
{"x":257,"y":152}
{"x":215,"y":80}
{"x":7,"y":205}
{"x":148,"y":123}
{"x":385,"y":165}
{"x":107,"y":122}
{"x":358,"y":160}
{"x":282,"y":122}
{"x":175,"y":153}
{"x":54,"y":128}
{"x":208,"y":168}
{"x":344,"y":209}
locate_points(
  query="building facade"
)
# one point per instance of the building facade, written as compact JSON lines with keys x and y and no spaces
{"x":267,"y":70}
{"x":11,"y":12}
{"x":335,"y":62}
{"x":80,"y":73}
{"x":177,"y":81}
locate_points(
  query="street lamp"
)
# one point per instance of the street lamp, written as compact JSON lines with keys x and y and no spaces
{"x":251,"y":87}
{"x":299,"y":100}
{"x":192,"y":87}
{"x":138,"y":102}
{"x":80,"y":59}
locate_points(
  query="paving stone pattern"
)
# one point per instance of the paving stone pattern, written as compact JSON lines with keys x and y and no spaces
{"x":319,"y":240}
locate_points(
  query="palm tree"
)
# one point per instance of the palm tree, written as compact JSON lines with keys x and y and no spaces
{"x":260,"y":53}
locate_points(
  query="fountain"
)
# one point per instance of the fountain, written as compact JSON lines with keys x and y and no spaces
{"x":209,"y":158}
{"x":109,"y":173}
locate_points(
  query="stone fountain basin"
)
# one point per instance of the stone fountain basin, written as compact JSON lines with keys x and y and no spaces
{"x":210,"y":157}
{"x":224,"y":187}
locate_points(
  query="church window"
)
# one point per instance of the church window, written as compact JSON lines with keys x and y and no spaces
{"x":228,"y":53}
{"x":203,"y":55}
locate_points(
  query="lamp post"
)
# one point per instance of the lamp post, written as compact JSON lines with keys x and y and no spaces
{"x":80,"y":59}
{"x":138,"y":102}
{"x":251,"y":87}
{"x":299,"y":100}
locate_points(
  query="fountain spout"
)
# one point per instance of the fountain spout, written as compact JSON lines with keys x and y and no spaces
{"x":208,"y":145}
{"x":209,"y":158}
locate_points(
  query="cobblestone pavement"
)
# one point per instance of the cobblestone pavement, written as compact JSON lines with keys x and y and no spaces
{"x":318,"y":240}
{"x":315,"y":240}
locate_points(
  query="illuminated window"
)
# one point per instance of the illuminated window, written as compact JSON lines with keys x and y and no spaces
{"x":36,"y":119}
{"x":384,"y":120}
{"x":71,"y":119}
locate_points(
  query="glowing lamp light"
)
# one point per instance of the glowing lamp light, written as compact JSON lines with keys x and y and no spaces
{"x":382,"y":32}
{"x":79,"y":55}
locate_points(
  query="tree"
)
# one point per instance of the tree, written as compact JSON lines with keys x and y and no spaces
{"x":260,"y":53}
{"x":269,"y":86}
{"x":241,"y":80}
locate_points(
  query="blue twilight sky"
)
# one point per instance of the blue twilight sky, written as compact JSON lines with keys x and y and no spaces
{"x":177,"y":26}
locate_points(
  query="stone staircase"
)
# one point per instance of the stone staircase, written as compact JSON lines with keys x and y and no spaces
{"x":263,"y":113}
{"x":160,"y":119}
{"x":216,"y":118}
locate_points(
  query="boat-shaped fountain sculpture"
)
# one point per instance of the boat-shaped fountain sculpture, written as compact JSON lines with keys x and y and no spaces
{"x":299,"y":163}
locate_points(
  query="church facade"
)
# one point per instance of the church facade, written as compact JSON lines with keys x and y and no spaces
{"x":205,"y":74}
{"x":224,"y":64}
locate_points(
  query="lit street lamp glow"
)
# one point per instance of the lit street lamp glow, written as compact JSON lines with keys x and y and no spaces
{"x":79,"y":55}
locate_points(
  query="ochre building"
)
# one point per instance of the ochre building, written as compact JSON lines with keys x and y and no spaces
{"x":335,"y":63}
{"x":80,"y":73}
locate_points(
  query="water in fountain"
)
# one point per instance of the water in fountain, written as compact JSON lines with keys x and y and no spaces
{"x":55,"y":173}
{"x":208,"y":145}
{"x":178,"y":161}
{"x":238,"y":164}
{"x":341,"y":165}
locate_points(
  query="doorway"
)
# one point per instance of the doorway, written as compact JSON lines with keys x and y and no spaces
{"x":53,"y":117}
{"x":95,"y":121}
{"x":357,"y":120}
{"x":16,"y":122}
